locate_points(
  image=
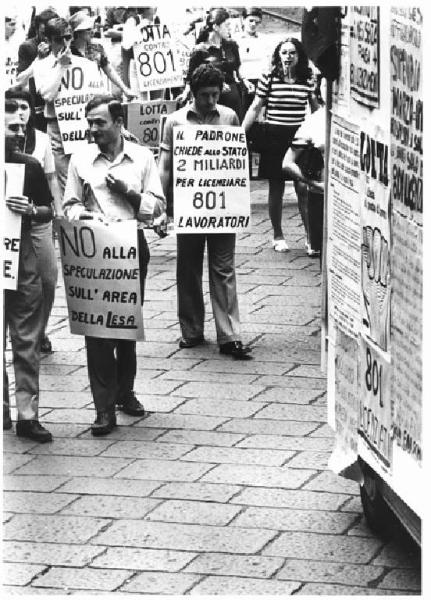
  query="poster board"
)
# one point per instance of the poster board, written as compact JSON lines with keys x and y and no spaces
{"x":364,"y":55}
{"x":144,"y":119}
{"x":11,"y":226}
{"x":211,"y":179}
{"x":101,"y":278}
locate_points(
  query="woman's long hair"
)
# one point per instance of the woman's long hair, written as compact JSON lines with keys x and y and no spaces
{"x":216,"y":16}
{"x":302,"y":70}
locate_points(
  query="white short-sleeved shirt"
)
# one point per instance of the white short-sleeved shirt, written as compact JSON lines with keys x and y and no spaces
{"x":43,"y":152}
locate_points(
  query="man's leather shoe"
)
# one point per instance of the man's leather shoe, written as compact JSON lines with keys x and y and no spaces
{"x":104,"y":423}
{"x":46,"y":346}
{"x":236,"y":350}
{"x":33,"y":430}
{"x":190,"y":342}
{"x":131,"y":406}
{"x":7,"y":422}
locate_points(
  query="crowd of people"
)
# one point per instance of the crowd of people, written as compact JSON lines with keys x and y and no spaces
{"x":228,"y":82}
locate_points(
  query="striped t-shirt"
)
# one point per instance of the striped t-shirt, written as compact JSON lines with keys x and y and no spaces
{"x":287,"y":102}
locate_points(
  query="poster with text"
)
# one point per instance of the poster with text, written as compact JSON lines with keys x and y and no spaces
{"x":406,"y":334}
{"x":364,"y":55}
{"x":407,"y":111}
{"x":375,"y":419}
{"x":210,"y":179}
{"x":346,"y":393}
{"x":157,"y":61}
{"x":101,"y":278}
{"x":144,"y":119}
{"x":375,"y":234}
{"x":341,"y":99}
{"x":11,"y":226}
{"x":79,"y":84}
{"x":344,"y":230}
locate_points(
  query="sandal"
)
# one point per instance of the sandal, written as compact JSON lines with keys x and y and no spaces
{"x":280,"y":246}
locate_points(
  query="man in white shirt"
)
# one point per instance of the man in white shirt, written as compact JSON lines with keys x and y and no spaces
{"x":114,"y":180}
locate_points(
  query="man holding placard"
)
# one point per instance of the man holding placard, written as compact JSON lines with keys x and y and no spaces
{"x":206,"y":85}
{"x":115,"y":180}
{"x":29,"y":198}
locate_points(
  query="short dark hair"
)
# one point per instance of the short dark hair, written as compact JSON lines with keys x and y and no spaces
{"x":43,"y":17}
{"x":10,"y":106}
{"x":18,"y":93}
{"x":252,"y":11}
{"x":114,"y":105}
{"x":204,"y":76}
{"x":56,"y":27}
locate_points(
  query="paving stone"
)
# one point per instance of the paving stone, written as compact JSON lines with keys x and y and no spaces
{"x":329,"y":482}
{"x":313,"y":546}
{"x":143,"y":559}
{"x":65,"y":358}
{"x":298,"y":383}
{"x":148,"y":450}
{"x":128,"y":433}
{"x":266,"y":426}
{"x":100,"y":486}
{"x":68,"y":555}
{"x":20,"y":574}
{"x":152,"y":350}
{"x":11,"y":590}
{"x":323,"y":431}
{"x":287,"y":519}
{"x":312,"y":589}
{"x":361,"y":528}
{"x":228,"y":564}
{"x":170,"y":583}
{"x":399,"y":554}
{"x":62,"y":399}
{"x":218,"y":390}
{"x":353,"y":505}
{"x":73,"y":447}
{"x":201,"y":438}
{"x":302,"y":499}
{"x":178,"y":421}
{"x":34,"y":483}
{"x":64,"y":384}
{"x":111,"y":507}
{"x":53,"y":528}
{"x":87,"y":578}
{"x":13,"y":461}
{"x":195,"y":375}
{"x":257,"y":476}
{"x":329,"y":572}
{"x":292,"y":412}
{"x":197,"y":491}
{"x":255,"y":366}
{"x":154,"y":387}
{"x":15,"y":445}
{"x":158,"y":403}
{"x":195,"y":538}
{"x":67,"y":430}
{"x":164,"y":470}
{"x":35,"y":502}
{"x":242,"y":456}
{"x":73,"y":466}
{"x":402,"y":579}
{"x":310,"y":460}
{"x":221,"y":407}
{"x":287,"y":443}
{"x":69,"y":415}
{"x":187,"y":511}
{"x":214,"y":585}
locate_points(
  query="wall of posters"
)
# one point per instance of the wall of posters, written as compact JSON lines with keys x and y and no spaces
{"x":364,"y":55}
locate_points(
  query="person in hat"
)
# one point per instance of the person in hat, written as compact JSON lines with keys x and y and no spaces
{"x":82,"y":26}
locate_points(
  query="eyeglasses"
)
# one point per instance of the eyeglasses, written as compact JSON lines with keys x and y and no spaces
{"x":67,"y":37}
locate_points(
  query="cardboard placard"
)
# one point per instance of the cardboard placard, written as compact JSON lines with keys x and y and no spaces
{"x":144,"y":119}
{"x":11,"y":224}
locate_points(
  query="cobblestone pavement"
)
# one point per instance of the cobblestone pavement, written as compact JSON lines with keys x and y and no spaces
{"x":223,"y":487}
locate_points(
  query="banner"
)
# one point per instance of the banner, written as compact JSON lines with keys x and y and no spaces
{"x":344,"y":230}
{"x":364,"y":55}
{"x":407,"y":111}
{"x":144,"y":119}
{"x":375,"y":244}
{"x":375,"y":421}
{"x":157,"y":62}
{"x":81,"y":81}
{"x":101,"y":278}
{"x":211,"y":179}
{"x":11,"y":224}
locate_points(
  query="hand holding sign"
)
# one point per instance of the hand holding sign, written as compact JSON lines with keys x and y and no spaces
{"x":375,"y":280}
{"x":65,"y":57}
{"x":20,"y":205}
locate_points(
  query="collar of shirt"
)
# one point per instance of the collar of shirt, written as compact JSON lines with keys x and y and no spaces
{"x":193,"y":112}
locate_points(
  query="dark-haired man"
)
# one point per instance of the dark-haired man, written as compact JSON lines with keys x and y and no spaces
{"x":114,"y":180}
{"x":206,"y":85}
{"x":23,"y":306}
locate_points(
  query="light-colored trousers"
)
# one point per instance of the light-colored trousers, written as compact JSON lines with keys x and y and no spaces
{"x":41,"y":236}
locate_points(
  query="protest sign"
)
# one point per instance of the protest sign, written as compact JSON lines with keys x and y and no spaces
{"x":156,"y":58}
{"x":375,"y":420}
{"x":11,"y":226}
{"x":210,"y":179}
{"x":81,"y":81}
{"x":375,"y":228}
{"x":364,"y":55}
{"x":407,"y":111}
{"x":144,"y":119}
{"x":101,"y":278}
{"x":344,"y":230}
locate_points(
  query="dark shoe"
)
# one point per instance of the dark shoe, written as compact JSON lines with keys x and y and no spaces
{"x":236,"y":350}
{"x":33,"y":430}
{"x":104,"y":423}
{"x":46,"y":346}
{"x":131,"y":406}
{"x":190,"y":342}
{"x":7,"y":422}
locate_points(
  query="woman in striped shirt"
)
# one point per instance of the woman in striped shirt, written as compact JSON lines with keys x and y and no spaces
{"x":285,"y":91}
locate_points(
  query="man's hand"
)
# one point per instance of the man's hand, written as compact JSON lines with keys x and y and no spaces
{"x":129,"y":94}
{"x":87,"y":215}
{"x":160,"y":225}
{"x":248,"y":85}
{"x":20,"y":205}
{"x":118,"y":186}
{"x":43,"y":49}
{"x":65,"y":57}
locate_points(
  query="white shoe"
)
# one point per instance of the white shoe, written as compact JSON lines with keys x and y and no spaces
{"x":280,"y":245}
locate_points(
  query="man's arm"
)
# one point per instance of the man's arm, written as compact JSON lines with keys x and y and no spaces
{"x":73,"y":206}
{"x":48,"y":80}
